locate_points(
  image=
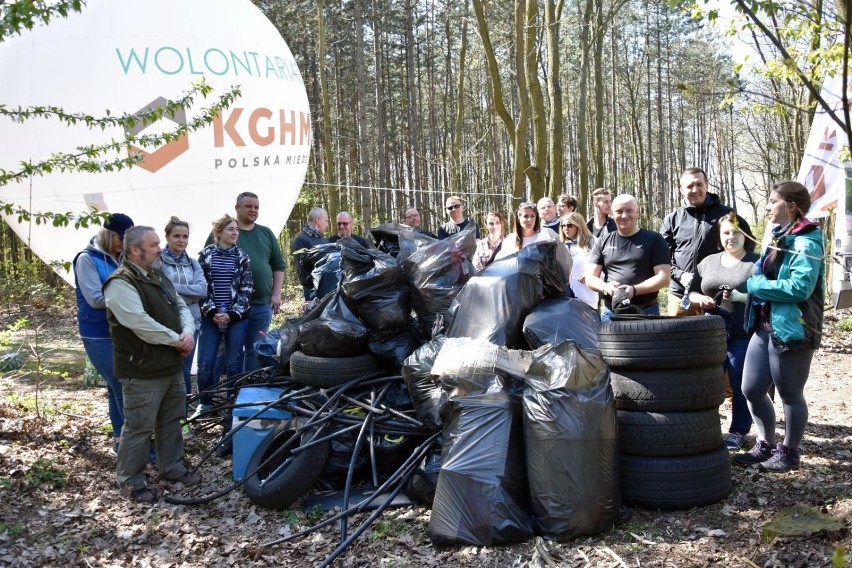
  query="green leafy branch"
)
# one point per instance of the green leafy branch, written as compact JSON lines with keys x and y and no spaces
{"x":90,"y":158}
{"x":24,"y":14}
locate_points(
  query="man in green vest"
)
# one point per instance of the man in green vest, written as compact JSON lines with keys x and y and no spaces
{"x":151,"y":330}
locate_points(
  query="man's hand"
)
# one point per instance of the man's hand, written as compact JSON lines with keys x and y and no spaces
{"x":275,"y":302}
{"x":185,"y":344}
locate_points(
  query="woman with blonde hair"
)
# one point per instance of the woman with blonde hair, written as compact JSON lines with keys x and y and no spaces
{"x":92,"y":266}
{"x":579,"y":240}
{"x":226,"y":306}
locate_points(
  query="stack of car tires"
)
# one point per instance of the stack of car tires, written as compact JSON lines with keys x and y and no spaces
{"x":668,"y":381}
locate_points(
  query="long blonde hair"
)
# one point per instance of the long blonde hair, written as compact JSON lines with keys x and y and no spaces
{"x":584,"y":236}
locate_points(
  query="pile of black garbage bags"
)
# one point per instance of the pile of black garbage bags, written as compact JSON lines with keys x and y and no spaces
{"x":505,"y":363}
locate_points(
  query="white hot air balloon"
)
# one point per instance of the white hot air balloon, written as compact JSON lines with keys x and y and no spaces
{"x":125,"y":56}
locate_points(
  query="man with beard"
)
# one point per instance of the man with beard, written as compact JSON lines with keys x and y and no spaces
{"x":152,"y":331}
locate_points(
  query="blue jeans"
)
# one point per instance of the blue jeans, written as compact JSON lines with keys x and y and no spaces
{"x":208,"y":345}
{"x":607,"y":314}
{"x":99,"y":352}
{"x":740,"y":415}
{"x":187,"y":365}
{"x":258,"y":324}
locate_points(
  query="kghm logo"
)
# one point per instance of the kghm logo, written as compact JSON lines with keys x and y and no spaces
{"x":153,"y":161}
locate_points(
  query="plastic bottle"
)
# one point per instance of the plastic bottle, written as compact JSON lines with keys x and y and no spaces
{"x":223,"y":327}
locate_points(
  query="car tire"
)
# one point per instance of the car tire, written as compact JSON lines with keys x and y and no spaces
{"x":294,"y":481}
{"x":667,"y":434}
{"x":663,"y":342}
{"x":328,"y":372}
{"x":672,"y":483}
{"x":668,"y":390}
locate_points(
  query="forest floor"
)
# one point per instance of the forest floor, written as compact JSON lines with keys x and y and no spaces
{"x":59,"y":504}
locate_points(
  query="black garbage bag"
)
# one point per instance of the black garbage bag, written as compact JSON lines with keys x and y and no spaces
{"x":480,"y":498}
{"x":337,"y":332}
{"x":375,"y":288}
{"x":421,"y":486}
{"x":327,"y":273}
{"x":267,"y":349}
{"x":393,"y":347}
{"x":493,"y":304}
{"x":436,"y":271}
{"x":410,"y":241}
{"x":340,"y":459}
{"x":426,"y":392}
{"x":571,"y":436}
{"x":558,"y":319}
{"x":314,"y":256}
{"x":385,"y":237}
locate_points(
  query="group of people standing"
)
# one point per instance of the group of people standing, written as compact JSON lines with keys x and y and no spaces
{"x":704,"y":253}
{"x":142,"y":310}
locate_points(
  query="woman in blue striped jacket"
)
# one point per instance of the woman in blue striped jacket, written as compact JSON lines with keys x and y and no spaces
{"x":226,"y":308}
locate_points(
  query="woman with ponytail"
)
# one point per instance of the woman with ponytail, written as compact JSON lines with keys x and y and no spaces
{"x":785,"y":312}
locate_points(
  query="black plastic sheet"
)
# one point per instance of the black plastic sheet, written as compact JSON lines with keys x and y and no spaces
{"x":436,"y":271}
{"x":337,"y":332}
{"x":426,"y":392}
{"x":493,"y":304}
{"x":375,"y":288}
{"x":327,"y":273}
{"x":558,"y":319}
{"x":385,"y":237}
{"x":480,"y":498}
{"x":393,"y":347}
{"x":571,"y":437}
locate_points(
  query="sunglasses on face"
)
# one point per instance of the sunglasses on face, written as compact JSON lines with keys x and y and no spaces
{"x":342,"y":224}
{"x":454,"y":206}
{"x":566,"y":225}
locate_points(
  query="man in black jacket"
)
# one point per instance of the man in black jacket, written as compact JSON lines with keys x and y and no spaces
{"x":690,"y":233}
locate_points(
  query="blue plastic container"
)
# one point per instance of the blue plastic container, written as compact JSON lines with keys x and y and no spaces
{"x":252,"y":434}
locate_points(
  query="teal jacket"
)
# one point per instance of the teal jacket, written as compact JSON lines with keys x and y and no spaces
{"x":794,"y":298}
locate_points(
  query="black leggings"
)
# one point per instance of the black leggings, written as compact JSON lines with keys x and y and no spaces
{"x":789,"y":370}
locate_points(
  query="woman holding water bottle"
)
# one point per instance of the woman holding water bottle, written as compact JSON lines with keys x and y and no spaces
{"x":226,"y":308}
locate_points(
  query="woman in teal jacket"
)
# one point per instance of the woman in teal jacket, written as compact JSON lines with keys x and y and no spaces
{"x":785,"y":313}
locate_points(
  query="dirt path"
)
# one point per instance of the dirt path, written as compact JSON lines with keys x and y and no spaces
{"x":59,"y":505}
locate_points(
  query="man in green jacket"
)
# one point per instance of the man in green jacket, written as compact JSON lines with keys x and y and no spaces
{"x":151,"y":330}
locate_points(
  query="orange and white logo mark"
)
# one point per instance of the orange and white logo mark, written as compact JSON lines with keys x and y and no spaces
{"x":153,"y":161}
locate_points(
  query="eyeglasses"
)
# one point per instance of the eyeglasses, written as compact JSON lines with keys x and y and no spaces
{"x":454,"y":206}
{"x":412,"y":216}
{"x":342,"y":224}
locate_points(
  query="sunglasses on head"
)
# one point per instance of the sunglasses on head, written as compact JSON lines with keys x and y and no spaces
{"x":454,"y":206}
{"x":526,"y":205}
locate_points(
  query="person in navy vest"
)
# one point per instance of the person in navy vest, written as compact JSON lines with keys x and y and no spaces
{"x":92,"y":266}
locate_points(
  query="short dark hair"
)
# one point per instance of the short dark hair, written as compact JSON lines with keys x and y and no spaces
{"x":694,"y":170}
{"x":245,"y":194}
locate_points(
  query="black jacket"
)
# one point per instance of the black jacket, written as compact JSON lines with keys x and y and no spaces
{"x":692,"y":235}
